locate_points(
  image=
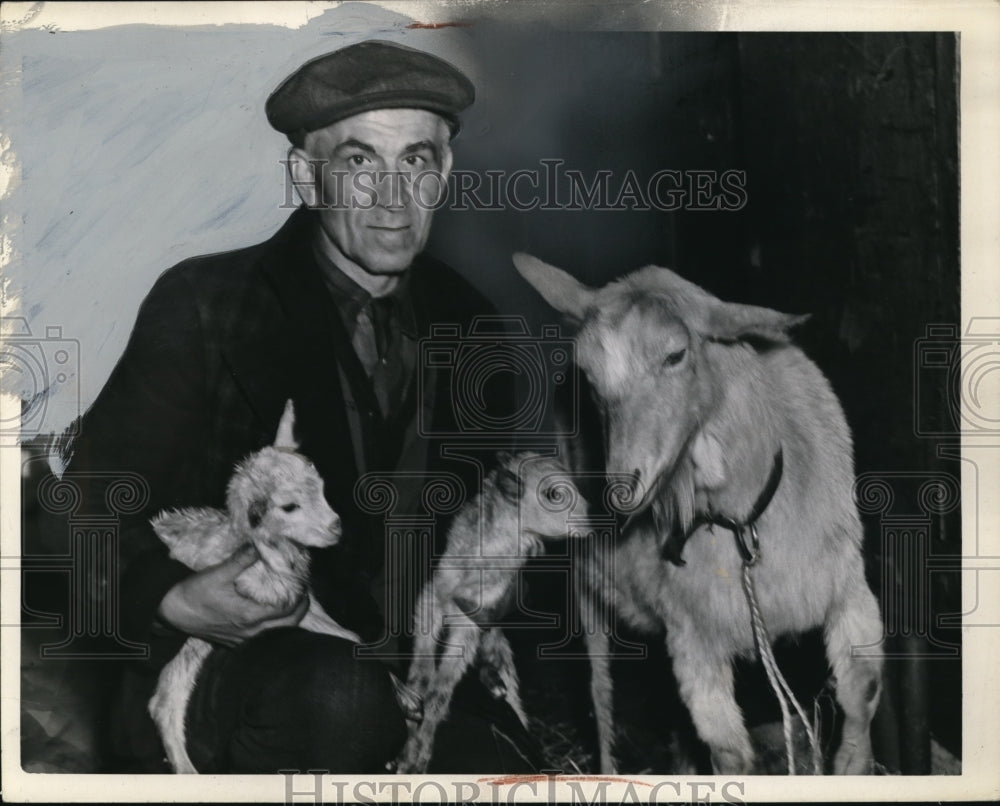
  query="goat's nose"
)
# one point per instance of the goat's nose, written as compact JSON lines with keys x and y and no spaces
{"x":632,"y":492}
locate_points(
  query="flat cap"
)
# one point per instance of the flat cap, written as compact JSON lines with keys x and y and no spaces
{"x":366,"y":76}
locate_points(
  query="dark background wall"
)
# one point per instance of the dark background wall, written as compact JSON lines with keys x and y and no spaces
{"x":849,"y":146}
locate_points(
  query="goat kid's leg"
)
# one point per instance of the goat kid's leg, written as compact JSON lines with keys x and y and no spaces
{"x":437,"y":700}
{"x":705,"y":679}
{"x":854,"y":624}
{"x":499,"y":673}
{"x":318,"y":620}
{"x":260,"y":584}
{"x":168,"y":706}
{"x":428,"y":623}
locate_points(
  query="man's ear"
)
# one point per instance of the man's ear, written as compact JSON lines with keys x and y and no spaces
{"x":302,"y":170}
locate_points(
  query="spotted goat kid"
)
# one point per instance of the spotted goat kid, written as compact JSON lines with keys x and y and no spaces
{"x":525,"y":501}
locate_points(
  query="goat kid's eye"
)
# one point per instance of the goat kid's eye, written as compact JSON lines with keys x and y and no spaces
{"x":673,"y":359}
{"x":290,"y":507}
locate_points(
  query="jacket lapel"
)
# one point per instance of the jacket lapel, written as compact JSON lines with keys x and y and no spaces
{"x":292,"y":353}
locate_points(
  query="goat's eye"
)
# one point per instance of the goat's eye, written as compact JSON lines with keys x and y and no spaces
{"x":673,"y":359}
{"x":290,"y":507}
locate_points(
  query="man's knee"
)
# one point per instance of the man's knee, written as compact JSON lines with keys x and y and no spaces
{"x":309,"y":703}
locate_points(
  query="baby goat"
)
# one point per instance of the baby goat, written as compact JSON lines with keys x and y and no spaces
{"x":275,"y":502}
{"x":524,"y":501}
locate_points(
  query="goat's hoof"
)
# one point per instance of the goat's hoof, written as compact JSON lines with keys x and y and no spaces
{"x":852,"y":759}
{"x":731,"y":761}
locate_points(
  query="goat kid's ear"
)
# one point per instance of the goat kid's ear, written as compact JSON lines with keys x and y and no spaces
{"x":510,"y":484}
{"x":255,"y":512}
{"x":561,"y":290}
{"x":730,"y":321}
{"x":286,"y":428}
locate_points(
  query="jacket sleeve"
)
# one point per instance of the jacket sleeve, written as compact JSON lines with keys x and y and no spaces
{"x":149,"y":420}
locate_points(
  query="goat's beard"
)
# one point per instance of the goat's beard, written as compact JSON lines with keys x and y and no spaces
{"x":673,"y":509}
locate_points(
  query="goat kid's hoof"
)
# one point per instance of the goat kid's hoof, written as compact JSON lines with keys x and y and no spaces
{"x":492,"y":682}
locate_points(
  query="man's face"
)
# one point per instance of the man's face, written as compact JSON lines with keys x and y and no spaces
{"x":382,"y":172}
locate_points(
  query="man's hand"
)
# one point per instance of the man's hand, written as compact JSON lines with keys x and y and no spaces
{"x":207,"y":605}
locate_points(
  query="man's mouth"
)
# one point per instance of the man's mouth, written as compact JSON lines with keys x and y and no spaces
{"x":382,"y":228}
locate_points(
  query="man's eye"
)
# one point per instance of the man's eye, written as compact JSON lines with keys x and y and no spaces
{"x":290,"y":507}
{"x":357,"y":159}
{"x":415,"y":160}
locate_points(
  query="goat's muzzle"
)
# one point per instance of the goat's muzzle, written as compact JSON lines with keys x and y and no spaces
{"x":630,"y":498}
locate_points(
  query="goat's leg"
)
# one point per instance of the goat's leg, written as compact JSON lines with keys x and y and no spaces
{"x":437,"y":700}
{"x":168,"y":705}
{"x":498,"y":658}
{"x":852,"y":624}
{"x":596,"y":631}
{"x":705,"y":679}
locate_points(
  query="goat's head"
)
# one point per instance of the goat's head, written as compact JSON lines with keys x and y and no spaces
{"x":642,"y":342}
{"x":543,"y":491}
{"x":276,"y":495}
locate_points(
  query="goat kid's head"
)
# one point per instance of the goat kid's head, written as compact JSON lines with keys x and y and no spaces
{"x":276,"y":495}
{"x":543,"y":491}
{"x":641,"y":340}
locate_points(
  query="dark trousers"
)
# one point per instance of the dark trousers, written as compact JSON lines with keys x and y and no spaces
{"x":295,"y":700}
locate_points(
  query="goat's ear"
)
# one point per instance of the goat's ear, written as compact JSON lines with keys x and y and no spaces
{"x":286,"y":428}
{"x":562,"y":291}
{"x":255,"y":512}
{"x":729,"y":321}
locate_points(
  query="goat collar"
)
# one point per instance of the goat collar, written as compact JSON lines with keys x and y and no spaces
{"x":748,"y":551}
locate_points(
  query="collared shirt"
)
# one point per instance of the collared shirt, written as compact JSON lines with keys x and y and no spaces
{"x":383,"y":332}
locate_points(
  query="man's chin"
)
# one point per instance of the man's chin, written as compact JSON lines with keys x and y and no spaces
{"x":388,"y":263}
{"x":387,"y":269}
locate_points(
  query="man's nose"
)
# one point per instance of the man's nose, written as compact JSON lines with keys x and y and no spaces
{"x":393,"y":190}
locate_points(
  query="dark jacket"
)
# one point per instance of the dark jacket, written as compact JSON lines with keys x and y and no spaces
{"x":219,"y":345}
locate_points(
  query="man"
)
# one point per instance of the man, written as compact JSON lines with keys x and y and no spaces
{"x":328,"y":312}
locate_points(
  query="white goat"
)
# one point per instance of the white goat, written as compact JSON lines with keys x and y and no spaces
{"x":274,"y":501}
{"x":701,"y":401}
{"x":525,"y":500}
